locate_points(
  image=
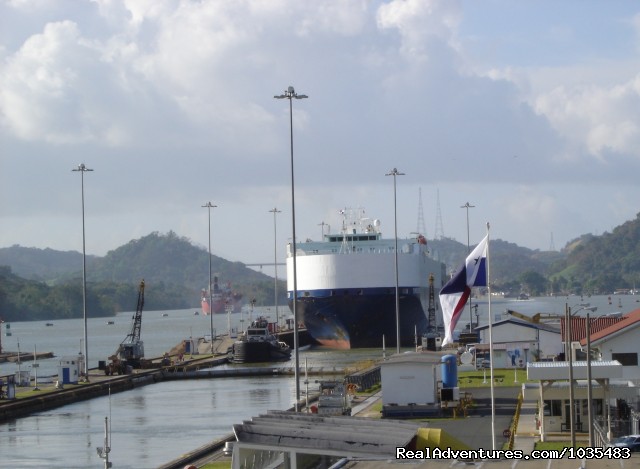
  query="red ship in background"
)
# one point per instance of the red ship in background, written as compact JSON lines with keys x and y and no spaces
{"x":221,"y":298}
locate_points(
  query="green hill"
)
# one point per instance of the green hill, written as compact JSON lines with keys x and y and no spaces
{"x":43,"y":283}
{"x":175,"y":271}
{"x":601,"y":264}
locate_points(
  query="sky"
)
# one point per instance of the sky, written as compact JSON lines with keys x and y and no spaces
{"x":529,"y":111}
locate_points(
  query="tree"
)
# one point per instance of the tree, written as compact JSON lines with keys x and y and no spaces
{"x":533,"y":282}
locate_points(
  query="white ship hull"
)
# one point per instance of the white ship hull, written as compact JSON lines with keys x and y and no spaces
{"x":346,"y":288}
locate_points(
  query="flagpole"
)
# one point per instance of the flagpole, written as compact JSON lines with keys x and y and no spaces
{"x":493,"y":407}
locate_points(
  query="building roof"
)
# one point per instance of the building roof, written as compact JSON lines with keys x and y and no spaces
{"x":579,"y":325}
{"x":560,"y":370}
{"x":312,"y":433}
{"x":627,"y":322}
{"x":426,"y":357}
{"x":522,"y":323}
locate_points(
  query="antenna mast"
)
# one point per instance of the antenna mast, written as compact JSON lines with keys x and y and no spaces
{"x":439,"y":230}
{"x":422,"y":228}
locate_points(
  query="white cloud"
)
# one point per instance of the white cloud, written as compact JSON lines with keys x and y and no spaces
{"x":183,"y":89}
{"x":418,"y":20}
{"x":598,"y":119}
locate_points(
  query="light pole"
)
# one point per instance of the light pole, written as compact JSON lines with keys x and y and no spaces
{"x":568,"y":349}
{"x":394,"y":172}
{"x":275,"y":211}
{"x":323,"y":224}
{"x":83,"y":169}
{"x":589,"y":387}
{"x":291,"y":94}
{"x":468,"y":206}
{"x":209,"y":206}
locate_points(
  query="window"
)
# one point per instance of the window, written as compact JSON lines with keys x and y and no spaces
{"x":626,"y":359}
{"x":553,"y":408}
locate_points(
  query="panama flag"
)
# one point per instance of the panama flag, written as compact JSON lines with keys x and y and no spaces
{"x":454,"y":295}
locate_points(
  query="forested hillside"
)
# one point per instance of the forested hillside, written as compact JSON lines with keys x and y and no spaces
{"x":174,"y":270}
{"x":43,"y":283}
{"x":601,"y":264}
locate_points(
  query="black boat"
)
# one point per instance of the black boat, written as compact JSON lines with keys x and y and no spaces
{"x":259,"y":344}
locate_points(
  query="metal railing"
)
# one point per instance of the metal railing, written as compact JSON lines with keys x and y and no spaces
{"x":599,"y":435}
{"x":514,"y":422}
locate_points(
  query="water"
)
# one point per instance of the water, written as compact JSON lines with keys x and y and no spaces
{"x":153,"y":424}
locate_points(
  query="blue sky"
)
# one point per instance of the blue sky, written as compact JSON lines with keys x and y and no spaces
{"x":528,"y":110}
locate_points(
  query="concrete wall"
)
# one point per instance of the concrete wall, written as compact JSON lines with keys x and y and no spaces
{"x":409,"y":382}
{"x":626,"y":342}
{"x":522,"y":337}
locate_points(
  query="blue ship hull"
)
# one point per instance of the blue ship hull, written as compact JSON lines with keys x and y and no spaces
{"x":361,"y":320}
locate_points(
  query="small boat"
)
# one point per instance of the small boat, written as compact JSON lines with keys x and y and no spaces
{"x":49,"y":324}
{"x":110,"y":323}
{"x":164,"y":315}
{"x":259,"y":345}
{"x":195,"y":313}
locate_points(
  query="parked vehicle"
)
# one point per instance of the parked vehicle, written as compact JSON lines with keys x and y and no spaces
{"x":629,"y":441}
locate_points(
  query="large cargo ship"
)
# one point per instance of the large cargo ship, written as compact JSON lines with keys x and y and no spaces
{"x":223,"y":299}
{"x":346,"y":285}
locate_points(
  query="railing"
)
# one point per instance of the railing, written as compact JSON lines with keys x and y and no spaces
{"x":635,"y":421}
{"x":599,"y":435}
{"x":514,"y":423}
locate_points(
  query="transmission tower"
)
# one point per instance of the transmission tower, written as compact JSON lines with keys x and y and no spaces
{"x":422,"y":228}
{"x":439,"y":230}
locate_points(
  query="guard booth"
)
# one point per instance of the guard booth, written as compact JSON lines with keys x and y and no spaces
{"x":10,"y":390}
{"x":69,"y":369}
{"x":23,"y":378}
{"x":190,"y":347}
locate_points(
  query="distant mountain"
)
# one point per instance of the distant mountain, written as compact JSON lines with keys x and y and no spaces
{"x":601,"y":264}
{"x":42,"y":264}
{"x":508,"y":260}
{"x":174,"y":270}
{"x":168,"y":258}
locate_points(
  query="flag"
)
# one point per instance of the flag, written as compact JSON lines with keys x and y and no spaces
{"x":456,"y":292}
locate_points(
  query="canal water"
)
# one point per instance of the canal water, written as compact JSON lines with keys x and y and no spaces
{"x":157,"y":423}
{"x":153,"y":424}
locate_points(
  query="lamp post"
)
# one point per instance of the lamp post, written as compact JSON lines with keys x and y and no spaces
{"x":568,"y":349}
{"x":83,"y":169}
{"x":209,"y":206}
{"x":468,"y":206}
{"x":589,"y":387}
{"x":275,"y":211}
{"x":291,"y":94}
{"x":323,"y":224}
{"x":394,"y":172}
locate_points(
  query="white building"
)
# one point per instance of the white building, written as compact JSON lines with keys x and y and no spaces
{"x":553,"y":392}
{"x":517,"y":342}
{"x":620,"y":341}
{"x":411,"y":378}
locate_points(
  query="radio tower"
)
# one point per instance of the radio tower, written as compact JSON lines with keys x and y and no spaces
{"x":439,"y":230}
{"x":422,"y":228}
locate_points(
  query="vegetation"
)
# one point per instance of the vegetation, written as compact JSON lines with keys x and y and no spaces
{"x":502,"y":377}
{"x":218,"y":465}
{"x":43,"y":283}
{"x":174,"y":270}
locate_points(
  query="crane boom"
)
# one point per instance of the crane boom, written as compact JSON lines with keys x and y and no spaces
{"x":134,"y":335}
{"x":431,"y":319}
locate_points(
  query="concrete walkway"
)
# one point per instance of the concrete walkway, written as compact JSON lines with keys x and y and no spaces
{"x":526,"y":434}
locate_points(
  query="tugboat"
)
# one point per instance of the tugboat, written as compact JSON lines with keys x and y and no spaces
{"x":259,"y":344}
